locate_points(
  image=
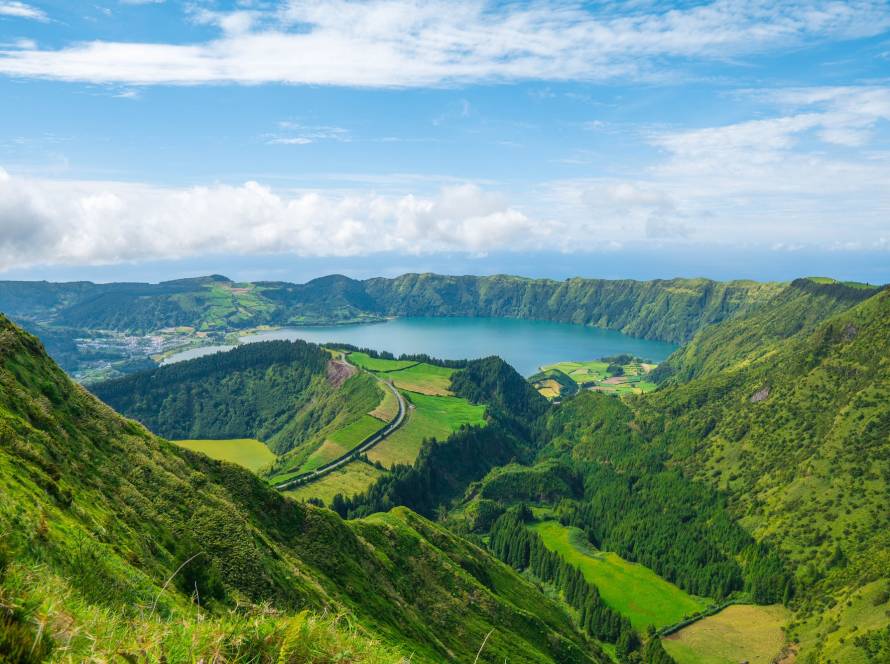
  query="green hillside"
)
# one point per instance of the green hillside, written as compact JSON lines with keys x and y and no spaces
{"x":799,"y":439}
{"x":119,"y":544}
{"x":798,"y":309}
{"x":200,"y":311}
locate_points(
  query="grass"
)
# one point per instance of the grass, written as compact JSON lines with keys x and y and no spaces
{"x":739,"y":633}
{"x":423,"y":378}
{"x":837,"y":628}
{"x":247,"y":452}
{"x":369,"y":363}
{"x":596,"y":376}
{"x":431,"y":417}
{"x":388,"y":407}
{"x":342,"y":441}
{"x":581,"y":372}
{"x":349,"y":480}
{"x":633,"y":590}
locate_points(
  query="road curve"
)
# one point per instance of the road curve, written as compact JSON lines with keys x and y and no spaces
{"x":361,"y":448}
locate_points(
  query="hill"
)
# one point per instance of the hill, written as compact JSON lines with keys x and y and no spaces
{"x":798,"y":438}
{"x":796,"y":310}
{"x":119,"y":326}
{"x":275,"y":391}
{"x":118,"y":544}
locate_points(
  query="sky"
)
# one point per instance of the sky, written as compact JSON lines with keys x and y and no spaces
{"x":261,"y":139}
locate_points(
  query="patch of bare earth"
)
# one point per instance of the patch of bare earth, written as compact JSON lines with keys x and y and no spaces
{"x":338,"y":371}
{"x":788,"y":655}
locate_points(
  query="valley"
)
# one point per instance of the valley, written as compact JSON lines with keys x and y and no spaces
{"x":634,"y":507}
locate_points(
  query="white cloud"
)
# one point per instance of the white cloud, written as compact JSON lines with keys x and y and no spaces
{"x":21,"y":10}
{"x":64,"y":222}
{"x":408,"y":43}
{"x":809,"y":177}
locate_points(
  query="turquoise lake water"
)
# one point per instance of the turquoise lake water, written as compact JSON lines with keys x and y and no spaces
{"x":525,"y":344}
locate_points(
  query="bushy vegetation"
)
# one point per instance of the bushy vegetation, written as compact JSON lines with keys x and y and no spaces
{"x":443,"y":469}
{"x":97,"y":515}
{"x":253,"y":391}
{"x":523,"y":549}
{"x":632,"y":589}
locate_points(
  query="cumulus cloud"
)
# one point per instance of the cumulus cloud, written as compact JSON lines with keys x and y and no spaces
{"x":62,"y":222}
{"x":407,"y":43}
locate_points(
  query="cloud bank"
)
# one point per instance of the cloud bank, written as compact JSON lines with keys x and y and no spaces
{"x":60,"y":222}
{"x":813,"y":175}
{"x":404,"y":43}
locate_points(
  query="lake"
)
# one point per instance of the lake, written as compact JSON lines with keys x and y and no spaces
{"x":525,"y":344}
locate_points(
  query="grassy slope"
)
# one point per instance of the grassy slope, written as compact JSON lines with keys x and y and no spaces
{"x":341,"y":441}
{"x":423,"y":378}
{"x":348,"y":480}
{"x":799,"y":437}
{"x":98,"y":513}
{"x":336,"y":409}
{"x":632,"y":589}
{"x":431,"y":417}
{"x":388,"y":407}
{"x":740,"y":633}
{"x":798,"y":309}
{"x":247,"y":452}
{"x":365,"y":361}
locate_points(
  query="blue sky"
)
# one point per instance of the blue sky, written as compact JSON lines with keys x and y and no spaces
{"x":152,"y":140}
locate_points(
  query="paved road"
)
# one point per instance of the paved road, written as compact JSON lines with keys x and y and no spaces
{"x":362,"y":447}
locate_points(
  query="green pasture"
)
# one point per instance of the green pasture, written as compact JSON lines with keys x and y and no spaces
{"x":581,"y":372}
{"x":431,"y":417}
{"x":350,"y":479}
{"x":369,"y":363}
{"x":247,"y":452}
{"x":341,"y":441}
{"x":632,"y":589}
{"x":739,"y":633}
{"x":423,"y":378}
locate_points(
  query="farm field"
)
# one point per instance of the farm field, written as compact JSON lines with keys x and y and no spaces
{"x":423,"y":378}
{"x":349,"y":480}
{"x":369,"y":363}
{"x":600,"y":375}
{"x":581,"y":372}
{"x":407,"y":375}
{"x":341,"y":441}
{"x":431,"y":417}
{"x":632,"y":589}
{"x":739,"y":633}
{"x":247,"y":452}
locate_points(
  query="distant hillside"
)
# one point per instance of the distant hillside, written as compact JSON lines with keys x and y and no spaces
{"x":669,"y":310}
{"x":797,"y":309}
{"x":117,"y":544}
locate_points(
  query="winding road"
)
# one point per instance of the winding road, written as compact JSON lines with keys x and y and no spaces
{"x":361,"y":448}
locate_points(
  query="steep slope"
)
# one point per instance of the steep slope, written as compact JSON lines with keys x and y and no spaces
{"x":276,"y":391}
{"x":669,"y":310}
{"x":798,"y":309}
{"x":112,"y":537}
{"x":799,"y":439}
{"x":443,"y":469}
